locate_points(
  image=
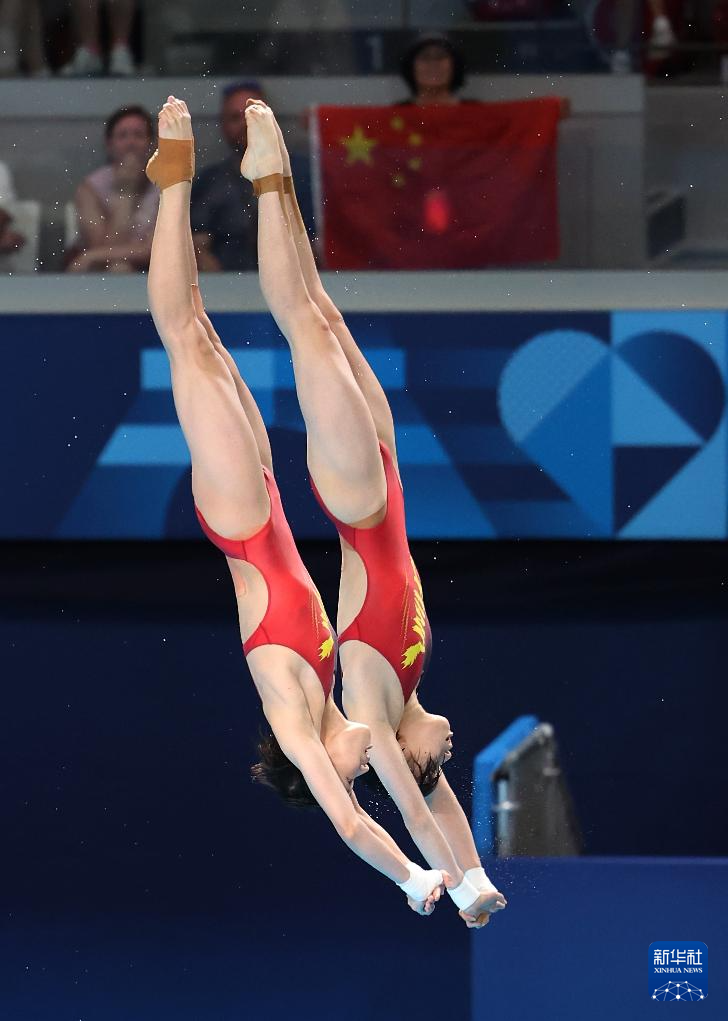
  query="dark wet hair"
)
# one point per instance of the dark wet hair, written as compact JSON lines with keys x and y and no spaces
{"x":407,"y":63}
{"x":275,"y":770}
{"x":128,"y":111}
{"x":426,"y":777}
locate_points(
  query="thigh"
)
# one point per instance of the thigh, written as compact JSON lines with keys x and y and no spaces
{"x":227,"y":478}
{"x":368,"y":383}
{"x":343,"y":449}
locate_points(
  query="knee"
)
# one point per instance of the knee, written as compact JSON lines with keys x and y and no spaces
{"x":189,"y":340}
{"x":327,"y":308}
{"x":308,"y":323}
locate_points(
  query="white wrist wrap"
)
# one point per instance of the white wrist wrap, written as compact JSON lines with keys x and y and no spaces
{"x":478,"y":877}
{"x":421,"y":882}
{"x":464,"y":895}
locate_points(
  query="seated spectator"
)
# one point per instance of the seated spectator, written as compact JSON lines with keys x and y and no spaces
{"x":433,"y":70}
{"x":224,"y":228}
{"x":88,"y":59}
{"x":116,"y":204}
{"x":628,"y":16}
{"x":21,"y":34}
{"x":10,"y":240}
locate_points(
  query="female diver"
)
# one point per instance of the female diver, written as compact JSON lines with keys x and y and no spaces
{"x":385,"y":636}
{"x":288,"y":642}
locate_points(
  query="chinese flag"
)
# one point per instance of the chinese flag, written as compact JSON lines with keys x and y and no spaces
{"x":440,"y":187}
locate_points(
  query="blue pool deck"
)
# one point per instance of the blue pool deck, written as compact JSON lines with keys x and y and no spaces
{"x":573,"y":943}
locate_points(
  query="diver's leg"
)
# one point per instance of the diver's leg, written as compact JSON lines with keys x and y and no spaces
{"x":364,"y":375}
{"x":246,"y":398}
{"x":343,"y":452}
{"x":227,"y":480}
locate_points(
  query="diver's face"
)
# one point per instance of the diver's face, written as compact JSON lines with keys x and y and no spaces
{"x":349,"y":752}
{"x":129,"y":137}
{"x":425,"y":738}
{"x":433,"y":68}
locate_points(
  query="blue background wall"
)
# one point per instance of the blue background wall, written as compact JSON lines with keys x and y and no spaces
{"x":588,"y":425}
{"x":142,"y":869}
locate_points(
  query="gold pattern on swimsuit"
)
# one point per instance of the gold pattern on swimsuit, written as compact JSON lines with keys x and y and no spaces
{"x":327,"y":646}
{"x":418,"y":623}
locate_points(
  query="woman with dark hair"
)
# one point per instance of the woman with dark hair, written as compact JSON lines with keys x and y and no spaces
{"x":313,"y":754}
{"x":116,"y":205}
{"x":434,"y":70}
{"x":352,"y":459}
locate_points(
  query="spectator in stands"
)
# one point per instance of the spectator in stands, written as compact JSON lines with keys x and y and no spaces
{"x":662,"y":37}
{"x":434,"y":70}
{"x":88,"y":59}
{"x":117,"y":204}
{"x":224,"y":228}
{"x":21,"y":34}
{"x":10,"y":240}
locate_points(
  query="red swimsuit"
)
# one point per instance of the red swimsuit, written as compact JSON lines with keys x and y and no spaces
{"x":393,"y":619}
{"x":295,"y":616}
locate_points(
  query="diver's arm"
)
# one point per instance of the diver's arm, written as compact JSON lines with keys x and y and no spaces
{"x":302,"y":745}
{"x":391,"y":767}
{"x":453,"y":822}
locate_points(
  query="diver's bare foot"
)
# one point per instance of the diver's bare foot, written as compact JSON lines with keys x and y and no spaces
{"x":285,"y":158}
{"x":175,"y":120}
{"x":490,"y":900}
{"x":173,"y":162}
{"x":262,"y":156}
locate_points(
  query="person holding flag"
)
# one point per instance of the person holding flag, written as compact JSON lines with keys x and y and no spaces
{"x":384,"y":633}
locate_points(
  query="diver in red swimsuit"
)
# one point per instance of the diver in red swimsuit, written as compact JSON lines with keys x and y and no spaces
{"x":313,"y":753}
{"x":352,"y":459}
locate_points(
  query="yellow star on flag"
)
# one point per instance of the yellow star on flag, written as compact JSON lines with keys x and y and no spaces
{"x":358,"y":146}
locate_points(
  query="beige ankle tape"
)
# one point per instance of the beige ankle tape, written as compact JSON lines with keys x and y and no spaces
{"x":272,"y":182}
{"x":290,"y":190}
{"x":172,"y":163}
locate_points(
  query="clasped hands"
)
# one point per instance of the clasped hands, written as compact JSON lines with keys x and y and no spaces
{"x":475,"y":915}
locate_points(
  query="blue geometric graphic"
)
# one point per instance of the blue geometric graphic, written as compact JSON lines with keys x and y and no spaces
{"x":573,"y":424}
{"x":641,"y":417}
{"x":692,"y":505}
{"x":682,"y":373}
{"x":542,"y":374}
{"x":666,"y":393}
{"x":573,"y":444}
{"x":640,"y":472}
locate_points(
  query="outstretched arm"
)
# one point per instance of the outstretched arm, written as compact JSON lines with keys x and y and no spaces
{"x":422,"y":908}
{"x":300,"y":743}
{"x":453,"y":822}
{"x":423,"y":825}
{"x":392,"y":769}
